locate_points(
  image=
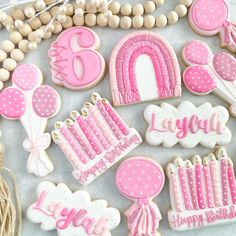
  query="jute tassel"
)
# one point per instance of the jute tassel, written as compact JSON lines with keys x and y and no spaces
{"x":10,"y":214}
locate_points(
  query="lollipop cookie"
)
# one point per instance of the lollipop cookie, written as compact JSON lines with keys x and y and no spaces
{"x":141,"y":179}
{"x":33,"y":104}
{"x":74,"y":60}
{"x":71,"y":213}
{"x":211,"y":17}
{"x":210,"y":73}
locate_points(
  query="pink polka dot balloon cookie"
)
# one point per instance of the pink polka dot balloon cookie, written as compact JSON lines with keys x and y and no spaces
{"x":141,"y":179}
{"x":33,"y":104}
{"x":208,"y":73}
{"x":210,"y":17}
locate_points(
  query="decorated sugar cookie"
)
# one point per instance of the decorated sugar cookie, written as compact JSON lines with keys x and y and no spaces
{"x":141,"y":179}
{"x":33,"y":104}
{"x":75,"y":62}
{"x":211,"y":17}
{"x":94,"y":139}
{"x":187,"y":125}
{"x":71,"y":213}
{"x":210,"y":73}
{"x":202,"y":191}
{"x":143,"y":67}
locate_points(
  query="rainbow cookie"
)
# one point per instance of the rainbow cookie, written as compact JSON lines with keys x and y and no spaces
{"x":210,"y":73}
{"x":202,"y":191}
{"x":187,"y":125}
{"x":143,"y":67}
{"x":211,"y":17}
{"x":94,"y":140}
{"x":33,"y":104}
{"x":75,"y":62}
{"x":140,"y":179}
{"x":71,"y":213}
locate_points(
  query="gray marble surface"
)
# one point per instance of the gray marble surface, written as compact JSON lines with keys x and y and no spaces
{"x":104,"y":187}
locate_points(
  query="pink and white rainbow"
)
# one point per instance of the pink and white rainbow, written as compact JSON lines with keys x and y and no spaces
{"x":125,"y":74}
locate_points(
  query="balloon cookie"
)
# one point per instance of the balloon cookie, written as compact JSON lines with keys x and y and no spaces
{"x":75,"y":62}
{"x":71,"y":213}
{"x":210,"y":73}
{"x":202,"y":191}
{"x":33,"y":104}
{"x":187,"y":125}
{"x":211,"y":17}
{"x":94,"y":139}
{"x":143,"y":67}
{"x":141,"y":179}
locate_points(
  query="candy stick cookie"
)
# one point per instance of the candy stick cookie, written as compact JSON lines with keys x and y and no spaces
{"x":33,"y":104}
{"x":71,"y":213}
{"x":141,"y":179}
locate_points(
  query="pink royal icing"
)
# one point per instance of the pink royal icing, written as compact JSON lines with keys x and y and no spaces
{"x":75,"y":62}
{"x":124,"y":84}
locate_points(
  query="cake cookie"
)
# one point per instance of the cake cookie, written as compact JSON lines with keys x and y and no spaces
{"x":210,"y":73}
{"x":33,"y":104}
{"x":94,"y":139}
{"x":140,"y":179}
{"x":187,"y":125}
{"x":71,"y":213}
{"x":211,"y":17}
{"x":75,"y":61}
{"x":202,"y":191}
{"x":143,"y":67}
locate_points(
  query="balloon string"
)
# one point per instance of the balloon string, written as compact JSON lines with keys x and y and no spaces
{"x":10,"y":214}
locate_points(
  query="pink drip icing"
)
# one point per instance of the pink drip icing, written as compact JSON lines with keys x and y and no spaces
{"x":209,"y":197}
{"x":224,"y":177}
{"x":109,"y":120}
{"x":232,"y":182}
{"x":200,"y":195}
{"x":87,"y":132}
{"x":75,"y":145}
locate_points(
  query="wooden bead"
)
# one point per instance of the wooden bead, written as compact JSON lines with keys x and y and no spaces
{"x":57,"y":27}
{"x":149,"y":7}
{"x":159,"y":2}
{"x":114,"y":21}
{"x":35,"y":23}
{"x":54,"y":11}
{"x":149,"y":21}
{"x":45,"y":17}
{"x":18,"y":14}
{"x":47,"y":35}
{"x":103,"y":7}
{"x":68,"y":23}
{"x":23,"y":45}
{"x":8,"y":20}
{"x":40,"y":5}
{"x":32,"y":46}
{"x":29,"y":11}
{"x":1,"y":84}
{"x":4,"y":75}
{"x":138,"y":10}
{"x":172,"y":17}
{"x":125,"y":22}
{"x":161,"y":21}
{"x":34,"y":37}
{"x":187,"y":3}
{"x":115,"y":7}
{"x":102,"y":21}
{"x":15,"y":37}
{"x":9,"y":64}
{"x":90,"y":7}
{"x":3,"y":55}
{"x":137,"y":22}
{"x":126,"y":9}
{"x":69,"y":9}
{"x":7,"y":46}
{"x":25,"y":30}
{"x":78,"y":20}
{"x":90,"y":19}
{"x":17,"y":55}
{"x":181,"y":10}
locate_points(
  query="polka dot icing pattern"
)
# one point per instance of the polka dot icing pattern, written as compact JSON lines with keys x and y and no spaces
{"x":75,"y":62}
{"x":208,"y":17}
{"x":134,"y":83}
{"x":32,"y":103}
{"x":215,"y":73}
{"x":141,"y":179}
{"x":94,"y":140}
{"x":201,"y":187}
